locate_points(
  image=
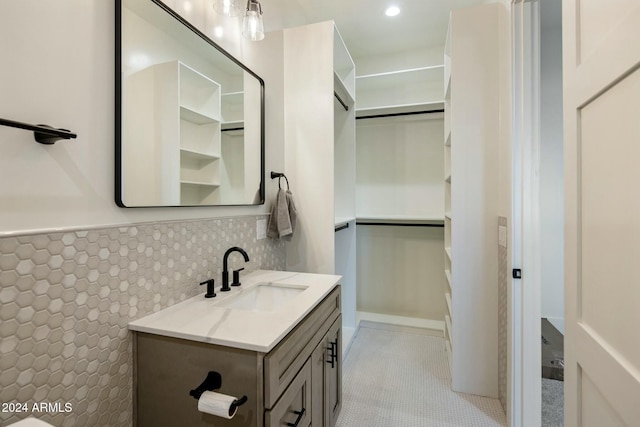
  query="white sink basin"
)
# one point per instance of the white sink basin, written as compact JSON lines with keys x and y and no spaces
{"x":263,"y":297}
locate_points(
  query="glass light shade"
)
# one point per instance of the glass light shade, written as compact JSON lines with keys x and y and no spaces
{"x":252,"y":26}
{"x":227,"y":7}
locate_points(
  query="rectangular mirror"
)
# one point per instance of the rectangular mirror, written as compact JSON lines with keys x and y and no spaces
{"x":189,"y":116}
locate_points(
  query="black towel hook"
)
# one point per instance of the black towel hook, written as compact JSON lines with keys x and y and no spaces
{"x":280,"y":175}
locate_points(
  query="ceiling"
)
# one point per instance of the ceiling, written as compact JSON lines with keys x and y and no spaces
{"x":363,"y":24}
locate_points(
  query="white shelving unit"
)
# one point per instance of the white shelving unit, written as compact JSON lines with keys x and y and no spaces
{"x":400,"y":193}
{"x":472,"y":132}
{"x":200,"y":120}
{"x":400,"y":91}
{"x":344,"y":181}
{"x":447,"y":197}
{"x":179,"y":118}
{"x":320,"y":148}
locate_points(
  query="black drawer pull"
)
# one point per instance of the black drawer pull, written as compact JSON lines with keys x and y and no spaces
{"x":299,"y":414}
{"x":333,"y":353}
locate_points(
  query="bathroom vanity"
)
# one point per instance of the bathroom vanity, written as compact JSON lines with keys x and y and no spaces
{"x":275,"y":340}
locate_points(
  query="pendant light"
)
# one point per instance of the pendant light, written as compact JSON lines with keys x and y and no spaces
{"x":252,"y":26}
{"x":227,"y":7}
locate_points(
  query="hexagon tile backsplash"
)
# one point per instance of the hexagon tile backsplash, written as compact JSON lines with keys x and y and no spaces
{"x":66,"y":299}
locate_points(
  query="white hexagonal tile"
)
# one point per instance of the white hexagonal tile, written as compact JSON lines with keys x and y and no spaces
{"x":55,"y":261}
{"x":41,"y":302}
{"x":25,"y":362}
{"x":8,"y":295}
{"x":41,"y":318}
{"x":41,"y":333}
{"x":25,"y":314}
{"x":25,"y":267}
{"x":40,"y":287}
{"x":9,"y":311}
{"x":55,"y":247}
{"x":9,"y":375}
{"x":8,"y":261}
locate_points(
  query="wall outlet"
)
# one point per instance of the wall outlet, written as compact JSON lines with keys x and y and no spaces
{"x":261,"y":229}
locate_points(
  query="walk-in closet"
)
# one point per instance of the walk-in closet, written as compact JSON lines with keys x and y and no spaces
{"x":411,"y":144}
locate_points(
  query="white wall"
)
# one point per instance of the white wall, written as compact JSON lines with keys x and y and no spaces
{"x":400,"y":166}
{"x":58,"y":69}
{"x":400,"y":272}
{"x":551,"y":165}
{"x":309,"y":134}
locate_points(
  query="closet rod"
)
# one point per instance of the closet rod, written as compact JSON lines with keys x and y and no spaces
{"x":345,"y":106}
{"x":399,"y":224}
{"x":342,"y":227}
{"x":44,"y":134}
{"x":410,"y":113}
{"x":230,"y":129}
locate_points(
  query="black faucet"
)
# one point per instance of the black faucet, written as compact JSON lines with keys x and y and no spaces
{"x":225,"y":271}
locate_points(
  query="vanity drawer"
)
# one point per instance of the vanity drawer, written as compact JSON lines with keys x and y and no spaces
{"x":294,"y":408}
{"x":283,"y":363}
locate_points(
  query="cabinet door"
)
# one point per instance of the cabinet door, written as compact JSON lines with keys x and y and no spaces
{"x":326,"y":377}
{"x":319,"y":359}
{"x":294,"y":406}
{"x":333,"y":374}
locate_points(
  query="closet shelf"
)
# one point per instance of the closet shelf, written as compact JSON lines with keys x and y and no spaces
{"x":447,"y":215}
{"x":199,"y":183}
{"x":399,"y":219}
{"x":447,"y":297}
{"x":340,"y":221}
{"x":448,"y":179}
{"x":400,"y":109}
{"x":238,"y":97}
{"x":232,"y":125}
{"x":196,"y":117}
{"x":403,"y":71}
{"x":448,"y":251}
{"x":447,"y":140}
{"x":448,"y":272}
{"x":198,"y":155}
{"x":341,"y":90}
{"x":409,"y":76}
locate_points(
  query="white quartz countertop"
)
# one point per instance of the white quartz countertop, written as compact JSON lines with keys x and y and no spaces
{"x":208,"y":320}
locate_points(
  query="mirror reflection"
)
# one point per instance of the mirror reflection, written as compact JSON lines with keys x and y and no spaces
{"x":191,"y":129}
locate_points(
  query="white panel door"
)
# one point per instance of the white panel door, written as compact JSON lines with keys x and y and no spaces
{"x":601,"y":51}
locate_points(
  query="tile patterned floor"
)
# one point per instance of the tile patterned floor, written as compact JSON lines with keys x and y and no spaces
{"x":402,"y":379}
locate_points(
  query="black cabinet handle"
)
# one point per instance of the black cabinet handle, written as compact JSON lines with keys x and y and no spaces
{"x":299,"y":414}
{"x":333,"y":353}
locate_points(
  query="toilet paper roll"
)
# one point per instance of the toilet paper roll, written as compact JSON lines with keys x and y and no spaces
{"x":217,"y":404}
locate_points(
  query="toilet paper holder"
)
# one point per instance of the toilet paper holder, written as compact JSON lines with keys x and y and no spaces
{"x":213,"y":382}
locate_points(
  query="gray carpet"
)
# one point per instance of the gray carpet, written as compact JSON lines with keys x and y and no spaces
{"x":393,"y":378}
{"x":552,"y":403}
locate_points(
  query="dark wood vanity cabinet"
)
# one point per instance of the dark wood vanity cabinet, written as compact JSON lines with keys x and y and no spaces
{"x":297,"y":383}
{"x":326,"y":369}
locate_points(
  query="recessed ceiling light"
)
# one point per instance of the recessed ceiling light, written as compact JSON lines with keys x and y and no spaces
{"x":392,"y":11}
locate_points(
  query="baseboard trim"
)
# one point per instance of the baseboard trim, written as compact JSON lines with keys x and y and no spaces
{"x":348,"y":335}
{"x":400,"y":323}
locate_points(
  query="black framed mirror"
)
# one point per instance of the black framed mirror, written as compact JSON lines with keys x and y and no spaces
{"x":189,"y":116}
